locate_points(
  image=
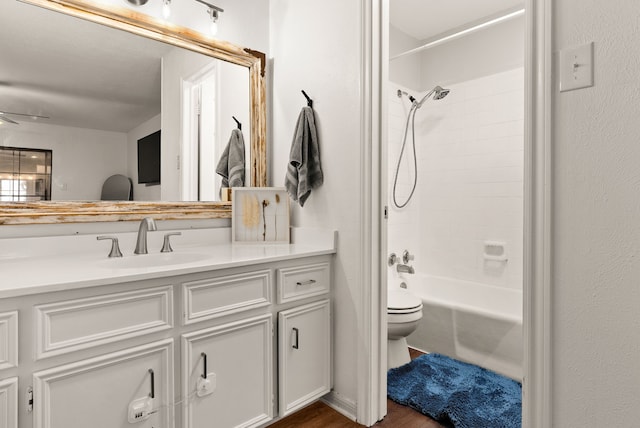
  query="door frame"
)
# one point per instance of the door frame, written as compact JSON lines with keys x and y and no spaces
{"x":371,"y":360}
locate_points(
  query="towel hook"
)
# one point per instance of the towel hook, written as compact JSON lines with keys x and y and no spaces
{"x":309,"y":100}
{"x":238,"y":122}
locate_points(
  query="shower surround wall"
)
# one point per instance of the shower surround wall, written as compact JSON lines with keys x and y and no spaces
{"x":470,"y":180}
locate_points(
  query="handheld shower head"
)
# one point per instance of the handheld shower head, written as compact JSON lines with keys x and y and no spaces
{"x":438,"y":93}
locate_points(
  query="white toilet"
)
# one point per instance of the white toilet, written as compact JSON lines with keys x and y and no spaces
{"x":404,"y":311}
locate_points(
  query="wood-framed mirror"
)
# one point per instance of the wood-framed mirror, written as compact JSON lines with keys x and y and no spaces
{"x":120,"y":18}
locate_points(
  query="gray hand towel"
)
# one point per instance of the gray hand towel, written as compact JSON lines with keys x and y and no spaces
{"x":231,"y":164}
{"x":304,"y":172}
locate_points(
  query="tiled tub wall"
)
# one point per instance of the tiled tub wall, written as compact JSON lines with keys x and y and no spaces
{"x":470,"y":180}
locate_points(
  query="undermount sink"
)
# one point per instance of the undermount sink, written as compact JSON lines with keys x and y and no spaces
{"x":153,"y":260}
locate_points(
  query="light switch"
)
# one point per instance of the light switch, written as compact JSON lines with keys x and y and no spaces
{"x":576,"y":67}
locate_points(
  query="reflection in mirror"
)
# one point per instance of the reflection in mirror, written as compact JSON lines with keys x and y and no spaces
{"x":88,"y":93}
{"x":25,"y":174}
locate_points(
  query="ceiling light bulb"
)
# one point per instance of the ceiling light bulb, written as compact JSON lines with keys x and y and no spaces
{"x":166,"y":9}
{"x":213,"y":14}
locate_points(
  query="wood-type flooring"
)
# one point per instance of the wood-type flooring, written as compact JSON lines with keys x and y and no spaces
{"x":319,"y":415}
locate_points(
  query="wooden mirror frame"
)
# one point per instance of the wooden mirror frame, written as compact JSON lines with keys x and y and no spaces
{"x":152,"y":28}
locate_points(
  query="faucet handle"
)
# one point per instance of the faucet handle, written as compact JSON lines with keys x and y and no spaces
{"x":115,"y":248}
{"x":166,"y":246}
{"x":392,"y":260}
{"x":407,"y":256}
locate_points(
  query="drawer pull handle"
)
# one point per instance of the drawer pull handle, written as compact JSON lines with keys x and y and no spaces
{"x":204,"y":358}
{"x":153,"y":384}
{"x":307,"y":282}
{"x":295,"y":345}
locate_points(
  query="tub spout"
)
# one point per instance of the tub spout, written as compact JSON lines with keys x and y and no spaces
{"x":405,"y":268}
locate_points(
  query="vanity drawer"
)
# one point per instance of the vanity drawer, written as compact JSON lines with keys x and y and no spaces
{"x":72,"y":325}
{"x":301,"y":282}
{"x":8,"y":340}
{"x":223,"y":295}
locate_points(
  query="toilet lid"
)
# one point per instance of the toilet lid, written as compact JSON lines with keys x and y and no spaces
{"x":402,"y":300}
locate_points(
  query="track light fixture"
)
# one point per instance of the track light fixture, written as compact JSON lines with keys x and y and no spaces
{"x":213,"y":14}
{"x":212,"y":10}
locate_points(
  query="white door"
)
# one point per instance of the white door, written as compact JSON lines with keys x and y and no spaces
{"x":108,"y":391}
{"x":304,"y":360}
{"x":227,"y":375}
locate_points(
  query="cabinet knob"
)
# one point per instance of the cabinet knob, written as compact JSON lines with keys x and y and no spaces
{"x":307,"y":282}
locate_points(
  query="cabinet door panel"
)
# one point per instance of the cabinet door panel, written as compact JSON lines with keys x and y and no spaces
{"x":9,"y":403}
{"x":8,"y":340}
{"x":304,"y":357}
{"x":215,"y":297}
{"x":68,"y":326}
{"x":96,"y":393}
{"x":239,"y":369}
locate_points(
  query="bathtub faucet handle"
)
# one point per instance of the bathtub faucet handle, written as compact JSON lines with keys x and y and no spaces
{"x":393,"y":259}
{"x":407,"y":257}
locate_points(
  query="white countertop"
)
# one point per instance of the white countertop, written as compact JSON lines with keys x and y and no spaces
{"x":40,"y":265}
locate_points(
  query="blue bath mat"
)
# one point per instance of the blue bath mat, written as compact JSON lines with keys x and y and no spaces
{"x":456,"y":394}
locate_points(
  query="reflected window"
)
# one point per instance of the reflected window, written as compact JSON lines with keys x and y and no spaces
{"x":25,"y":174}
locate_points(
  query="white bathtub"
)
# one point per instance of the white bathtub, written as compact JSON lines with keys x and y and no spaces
{"x":473,"y":322}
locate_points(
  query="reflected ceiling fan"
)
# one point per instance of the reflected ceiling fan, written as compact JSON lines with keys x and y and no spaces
{"x":4,"y":117}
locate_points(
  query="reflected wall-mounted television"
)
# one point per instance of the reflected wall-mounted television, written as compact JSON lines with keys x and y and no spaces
{"x":149,"y":159}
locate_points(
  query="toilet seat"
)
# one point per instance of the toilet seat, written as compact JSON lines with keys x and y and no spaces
{"x":404,"y":311}
{"x":402,"y":302}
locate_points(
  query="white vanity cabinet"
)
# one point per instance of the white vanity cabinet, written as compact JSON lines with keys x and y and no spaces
{"x":208,"y":348}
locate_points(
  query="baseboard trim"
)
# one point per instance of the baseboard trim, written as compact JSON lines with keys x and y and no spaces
{"x":341,"y":405}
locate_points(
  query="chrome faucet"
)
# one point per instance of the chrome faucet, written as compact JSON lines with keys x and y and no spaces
{"x":147,"y":224}
{"x":405,"y":268}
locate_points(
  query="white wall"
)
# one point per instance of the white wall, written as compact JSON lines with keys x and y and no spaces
{"x":82,"y":159}
{"x":483,"y":53}
{"x":406,"y":70}
{"x":243,"y":22}
{"x":317,"y":48}
{"x":141,"y":192}
{"x":596,"y":232}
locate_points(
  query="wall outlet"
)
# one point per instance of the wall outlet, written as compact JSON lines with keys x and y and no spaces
{"x":206,"y":386}
{"x":140,"y":410}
